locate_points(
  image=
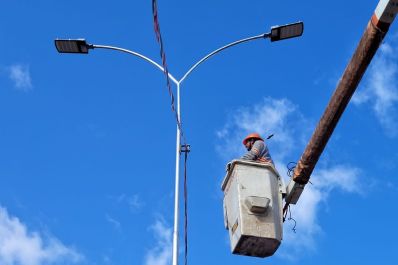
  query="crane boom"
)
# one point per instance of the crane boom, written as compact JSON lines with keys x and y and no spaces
{"x":371,"y":39}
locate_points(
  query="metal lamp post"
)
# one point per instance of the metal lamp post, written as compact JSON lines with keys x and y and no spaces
{"x":81,"y":46}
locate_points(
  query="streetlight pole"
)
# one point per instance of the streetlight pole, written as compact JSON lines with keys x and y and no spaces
{"x":81,"y":46}
{"x":177,"y":181}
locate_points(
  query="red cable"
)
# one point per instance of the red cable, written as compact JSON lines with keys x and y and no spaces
{"x":166,"y":72}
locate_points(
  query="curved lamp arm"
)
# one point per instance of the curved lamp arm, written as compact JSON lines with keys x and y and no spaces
{"x":135,"y":54}
{"x":261,"y":36}
{"x":81,"y":46}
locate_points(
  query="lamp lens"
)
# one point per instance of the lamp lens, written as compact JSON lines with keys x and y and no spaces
{"x":291,"y":31}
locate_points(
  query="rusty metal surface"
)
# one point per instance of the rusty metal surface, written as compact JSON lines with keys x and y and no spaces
{"x":370,"y":42}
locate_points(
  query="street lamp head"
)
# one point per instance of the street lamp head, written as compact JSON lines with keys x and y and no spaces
{"x":287,"y":31}
{"x":72,"y":46}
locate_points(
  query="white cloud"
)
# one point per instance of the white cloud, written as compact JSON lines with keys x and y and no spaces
{"x":20,"y":75}
{"x":161,"y":253}
{"x":380,"y":89}
{"x":272,"y":116}
{"x":19,"y":246}
{"x":107,"y":260}
{"x":115,"y":223}
{"x":134,"y":202}
{"x":292,"y":130}
{"x":344,"y":178}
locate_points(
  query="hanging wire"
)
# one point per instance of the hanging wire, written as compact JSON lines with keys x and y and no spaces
{"x":290,"y":218}
{"x":184,"y":147}
{"x":164,"y":63}
{"x":290,"y":168}
{"x":186,"y":150}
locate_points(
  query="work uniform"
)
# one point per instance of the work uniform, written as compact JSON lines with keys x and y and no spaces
{"x":258,"y":153}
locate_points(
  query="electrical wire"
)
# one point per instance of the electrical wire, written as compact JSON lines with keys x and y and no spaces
{"x":186,"y":204}
{"x":290,"y":218}
{"x":184,"y":147}
{"x":164,"y":63}
{"x":290,"y":168}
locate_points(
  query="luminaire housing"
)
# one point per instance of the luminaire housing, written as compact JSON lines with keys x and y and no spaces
{"x":287,"y":31}
{"x":72,"y":46}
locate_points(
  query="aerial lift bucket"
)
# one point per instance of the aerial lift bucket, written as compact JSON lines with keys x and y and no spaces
{"x":253,"y":207}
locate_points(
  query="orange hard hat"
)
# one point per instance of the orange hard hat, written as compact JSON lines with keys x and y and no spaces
{"x":252,"y":136}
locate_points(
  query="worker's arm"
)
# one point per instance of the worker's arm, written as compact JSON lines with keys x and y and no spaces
{"x":254,"y":153}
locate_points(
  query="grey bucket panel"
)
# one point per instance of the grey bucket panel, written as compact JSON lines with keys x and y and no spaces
{"x":235,"y":162}
{"x":253,"y":208}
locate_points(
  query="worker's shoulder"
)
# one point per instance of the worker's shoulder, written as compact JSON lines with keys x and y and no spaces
{"x":259,"y":144}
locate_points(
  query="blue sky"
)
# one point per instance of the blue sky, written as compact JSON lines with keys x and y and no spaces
{"x":87,"y":142}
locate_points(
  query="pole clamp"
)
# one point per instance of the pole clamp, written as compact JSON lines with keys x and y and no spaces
{"x":185,"y":148}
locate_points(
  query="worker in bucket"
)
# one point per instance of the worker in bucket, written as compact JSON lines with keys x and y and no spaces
{"x":257,"y":150}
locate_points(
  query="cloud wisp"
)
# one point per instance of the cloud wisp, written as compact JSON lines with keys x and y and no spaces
{"x":20,"y":246}
{"x":283,"y":118}
{"x":380,"y":90}
{"x":20,"y":75}
{"x":272,"y":116}
{"x":134,"y":202}
{"x":115,"y":223}
{"x":161,"y":253}
{"x":341,"y":177}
